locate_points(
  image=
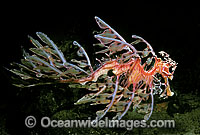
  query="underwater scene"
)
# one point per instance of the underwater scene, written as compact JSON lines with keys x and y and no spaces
{"x":103,"y":74}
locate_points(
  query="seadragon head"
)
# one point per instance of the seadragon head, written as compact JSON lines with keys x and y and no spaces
{"x":169,"y":65}
{"x":165,"y":70}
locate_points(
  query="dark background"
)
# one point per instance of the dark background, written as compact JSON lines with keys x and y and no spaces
{"x":174,"y":30}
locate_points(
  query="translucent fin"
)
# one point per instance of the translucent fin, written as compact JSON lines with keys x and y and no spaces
{"x":111,"y":39}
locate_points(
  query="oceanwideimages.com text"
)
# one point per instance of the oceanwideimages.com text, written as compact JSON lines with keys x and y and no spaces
{"x":46,"y":122}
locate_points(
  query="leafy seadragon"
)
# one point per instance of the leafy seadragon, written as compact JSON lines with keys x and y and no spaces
{"x":126,"y":76}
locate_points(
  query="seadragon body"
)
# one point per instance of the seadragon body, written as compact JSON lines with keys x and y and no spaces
{"x":125,"y":78}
